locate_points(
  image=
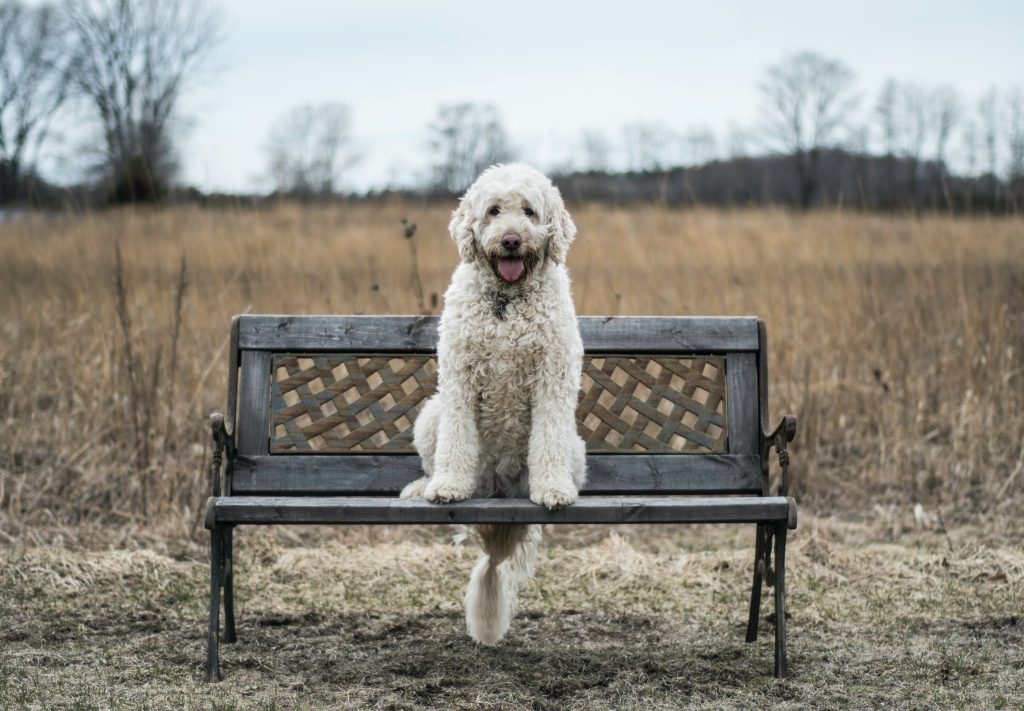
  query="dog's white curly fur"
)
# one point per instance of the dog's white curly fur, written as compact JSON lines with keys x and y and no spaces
{"x":509,"y":362}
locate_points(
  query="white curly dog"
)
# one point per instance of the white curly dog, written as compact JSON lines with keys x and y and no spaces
{"x":509,"y":363}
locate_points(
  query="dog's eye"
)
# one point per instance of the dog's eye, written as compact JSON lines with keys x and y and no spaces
{"x":495,"y":210}
{"x":529,"y":212}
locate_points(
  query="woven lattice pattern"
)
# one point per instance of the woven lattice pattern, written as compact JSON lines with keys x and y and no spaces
{"x":345,"y":403}
{"x":352,"y":403}
{"x":653,"y":404}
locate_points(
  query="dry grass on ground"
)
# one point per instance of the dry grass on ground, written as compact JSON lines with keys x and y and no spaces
{"x":896,"y":340}
{"x":628,"y":619}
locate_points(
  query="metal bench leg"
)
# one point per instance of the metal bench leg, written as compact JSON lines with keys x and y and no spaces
{"x":780,"y":601}
{"x":213,"y":633}
{"x":229,"y":585}
{"x":755,"y":591}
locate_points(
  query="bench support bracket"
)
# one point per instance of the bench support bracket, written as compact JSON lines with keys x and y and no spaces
{"x":221,"y":552}
{"x":213,"y":631}
{"x":770,"y":536}
{"x":229,"y":585}
{"x":780,"y":601}
{"x":755,"y":592}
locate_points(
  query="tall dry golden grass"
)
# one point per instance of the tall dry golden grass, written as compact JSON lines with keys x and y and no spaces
{"x":896,"y":340}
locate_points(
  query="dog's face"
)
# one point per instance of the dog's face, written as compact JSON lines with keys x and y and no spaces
{"x":509,"y":222}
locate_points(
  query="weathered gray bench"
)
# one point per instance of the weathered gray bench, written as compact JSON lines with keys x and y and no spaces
{"x":673,"y":411}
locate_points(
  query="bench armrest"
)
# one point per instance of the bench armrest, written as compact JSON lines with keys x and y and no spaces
{"x":222,"y":446}
{"x":778,"y":440}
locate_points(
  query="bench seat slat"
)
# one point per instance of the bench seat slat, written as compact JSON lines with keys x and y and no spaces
{"x":595,"y":509}
{"x":418,"y":334}
{"x":385,"y":475}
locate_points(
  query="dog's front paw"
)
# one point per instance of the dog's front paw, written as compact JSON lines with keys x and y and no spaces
{"x":555,"y":497}
{"x":445,"y":492}
{"x":414,"y":489}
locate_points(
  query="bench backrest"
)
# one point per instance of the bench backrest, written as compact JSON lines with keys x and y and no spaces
{"x":325,"y":404}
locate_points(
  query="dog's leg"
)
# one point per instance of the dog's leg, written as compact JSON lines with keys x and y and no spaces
{"x":578,"y":457}
{"x":424,"y":439}
{"x":457,"y":450}
{"x":554,"y":460}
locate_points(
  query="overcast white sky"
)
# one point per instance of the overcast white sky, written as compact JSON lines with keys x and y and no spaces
{"x":554,"y":68}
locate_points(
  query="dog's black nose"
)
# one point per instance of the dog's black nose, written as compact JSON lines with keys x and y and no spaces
{"x":511,"y":241}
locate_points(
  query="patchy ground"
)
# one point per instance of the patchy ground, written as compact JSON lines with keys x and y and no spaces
{"x":626,"y":618}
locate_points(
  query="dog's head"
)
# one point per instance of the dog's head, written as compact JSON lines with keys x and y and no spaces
{"x":510,"y":221}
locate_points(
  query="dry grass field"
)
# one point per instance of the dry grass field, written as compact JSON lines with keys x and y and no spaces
{"x":896,"y":340}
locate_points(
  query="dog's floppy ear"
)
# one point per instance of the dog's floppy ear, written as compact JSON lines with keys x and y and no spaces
{"x":461,"y":229}
{"x":562,"y":229}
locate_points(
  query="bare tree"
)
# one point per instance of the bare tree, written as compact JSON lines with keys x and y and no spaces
{"x":464,"y":139}
{"x":988,"y":117}
{"x":737,"y":142}
{"x":648,"y":146}
{"x":310,"y":148}
{"x":807,"y":100}
{"x":699,"y":145}
{"x":885,"y":109}
{"x":1015,"y":138}
{"x":914,"y":114}
{"x":947,"y":108}
{"x":133,"y":59}
{"x":912,"y":118}
{"x":971,"y":147}
{"x":33,"y":87}
{"x":596,"y":151}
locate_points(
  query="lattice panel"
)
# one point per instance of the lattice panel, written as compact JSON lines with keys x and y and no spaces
{"x":353,"y":403}
{"x":348,"y":403}
{"x":653,"y":404}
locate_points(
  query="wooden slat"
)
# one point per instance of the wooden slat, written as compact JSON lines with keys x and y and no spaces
{"x":254,"y":404}
{"x":368,"y":474}
{"x":671,"y":473}
{"x":385,"y":475}
{"x":418,"y":334}
{"x":229,"y":413}
{"x":742,"y":406}
{"x":668,"y":334}
{"x":602,"y":509}
{"x":762,"y":374}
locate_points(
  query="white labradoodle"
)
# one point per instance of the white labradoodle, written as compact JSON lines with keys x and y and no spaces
{"x":509,"y":362}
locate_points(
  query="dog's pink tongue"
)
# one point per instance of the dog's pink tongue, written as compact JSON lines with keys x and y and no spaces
{"x":510,"y":269}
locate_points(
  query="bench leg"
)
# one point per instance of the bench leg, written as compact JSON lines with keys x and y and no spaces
{"x":229,"y":585}
{"x":755,"y":591}
{"x":213,"y":632}
{"x":780,"y":601}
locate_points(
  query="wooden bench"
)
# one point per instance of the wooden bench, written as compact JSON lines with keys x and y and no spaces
{"x":673,"y":411}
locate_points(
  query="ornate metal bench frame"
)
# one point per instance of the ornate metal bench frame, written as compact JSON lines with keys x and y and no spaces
{"x":674,"y":411}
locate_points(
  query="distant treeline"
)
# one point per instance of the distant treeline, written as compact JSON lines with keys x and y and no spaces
{"x":846,"y":179}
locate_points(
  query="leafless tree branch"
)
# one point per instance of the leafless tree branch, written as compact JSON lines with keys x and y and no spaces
{"x":33,"y":86}
{"x":133,"y":59}
{"x":310,"y":148}
{"x":464,"y":139}
{"x":807,"y":100}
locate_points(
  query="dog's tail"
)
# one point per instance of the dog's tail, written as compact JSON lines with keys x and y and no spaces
{"x":509,"y":551}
